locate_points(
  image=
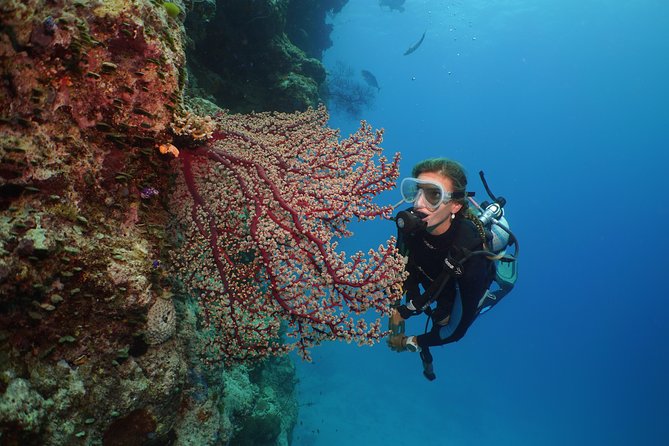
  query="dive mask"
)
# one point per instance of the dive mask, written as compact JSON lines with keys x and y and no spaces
{"x":433,"y":193}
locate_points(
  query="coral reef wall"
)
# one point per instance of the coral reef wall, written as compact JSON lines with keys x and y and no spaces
{"x":259,"y":56}
{"x":95,"y":344}
{"x":87,"y":90}
{"x":307,"y":27}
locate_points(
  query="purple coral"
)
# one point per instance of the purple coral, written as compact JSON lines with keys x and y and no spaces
{"x":148,"y":192}
{"x":49,"y":25}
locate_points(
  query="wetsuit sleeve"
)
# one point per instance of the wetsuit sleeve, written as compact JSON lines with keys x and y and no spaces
{"x":421,"y":301}
{"x":471,"y":286}
{"x":411,"y":289}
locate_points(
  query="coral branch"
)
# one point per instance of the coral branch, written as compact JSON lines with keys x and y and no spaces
{"x":262,"y":205}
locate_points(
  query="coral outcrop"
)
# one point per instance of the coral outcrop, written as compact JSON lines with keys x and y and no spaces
{"x":97,"y":340}
{"x":161,"y":321}
{"x":262,"y":55}
{"x":88,"y":89}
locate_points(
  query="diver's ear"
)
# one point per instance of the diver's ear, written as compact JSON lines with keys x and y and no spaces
{"x":456,"y":207}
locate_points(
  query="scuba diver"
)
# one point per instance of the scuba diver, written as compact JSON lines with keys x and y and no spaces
{"x":454,"y":253}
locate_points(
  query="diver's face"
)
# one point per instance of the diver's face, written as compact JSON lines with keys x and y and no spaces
{"x":438,"y":220}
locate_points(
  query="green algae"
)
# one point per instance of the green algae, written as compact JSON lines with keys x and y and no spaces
{"x":172,"y":9}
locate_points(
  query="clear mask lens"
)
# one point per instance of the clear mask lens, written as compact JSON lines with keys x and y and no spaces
{"x":432,"y":192}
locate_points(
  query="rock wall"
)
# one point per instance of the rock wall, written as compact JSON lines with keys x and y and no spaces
{"x":97,"y":344}
{"x":259,"y":56}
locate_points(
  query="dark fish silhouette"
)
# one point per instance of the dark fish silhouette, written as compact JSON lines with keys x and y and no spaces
{"x":393,"y":4}
{"x":370,"y":79}
{"x":415,"y":46}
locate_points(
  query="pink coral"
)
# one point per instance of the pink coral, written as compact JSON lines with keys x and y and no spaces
{"x":263,"y":205}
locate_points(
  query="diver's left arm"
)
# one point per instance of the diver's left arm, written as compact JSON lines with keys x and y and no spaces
{"x":471,"y":286}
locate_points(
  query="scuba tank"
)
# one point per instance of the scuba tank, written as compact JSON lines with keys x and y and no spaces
{"x":500,"y":238}
{"x":492,"y":217}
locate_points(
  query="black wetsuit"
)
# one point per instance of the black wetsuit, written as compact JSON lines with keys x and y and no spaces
{"x":459,"y":297}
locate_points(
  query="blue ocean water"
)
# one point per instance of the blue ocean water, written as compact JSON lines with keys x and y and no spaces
{"x":565,"y":106}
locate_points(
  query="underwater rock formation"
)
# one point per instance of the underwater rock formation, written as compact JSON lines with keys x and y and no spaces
{"x":307,"y":27}
{"x":261,"y":55}
{"x":95,"y":344}
{"x":88,"y":88}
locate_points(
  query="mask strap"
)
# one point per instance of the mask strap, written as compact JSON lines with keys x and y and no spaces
{"x":458,"y":195}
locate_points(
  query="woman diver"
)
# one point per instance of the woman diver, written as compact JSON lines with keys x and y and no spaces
{"x":440,"y":236}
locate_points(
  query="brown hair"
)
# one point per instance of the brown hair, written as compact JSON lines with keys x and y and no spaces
{"x":448,"y":168}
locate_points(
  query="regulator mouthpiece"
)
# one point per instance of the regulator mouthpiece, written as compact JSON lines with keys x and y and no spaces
{"x":410,"y":221}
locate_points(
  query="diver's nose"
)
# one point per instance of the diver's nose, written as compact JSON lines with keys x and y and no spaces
{"x":420,"y":201}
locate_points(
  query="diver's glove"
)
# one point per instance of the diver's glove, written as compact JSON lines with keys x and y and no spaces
{"x":396,"y":323}
{"x":400,"y":343}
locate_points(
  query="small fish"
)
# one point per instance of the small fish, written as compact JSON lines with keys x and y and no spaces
{"x":415,"y":46}
{"x":370,"y":79}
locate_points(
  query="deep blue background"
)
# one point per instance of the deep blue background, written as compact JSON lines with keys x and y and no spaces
{"x":565,"y":105}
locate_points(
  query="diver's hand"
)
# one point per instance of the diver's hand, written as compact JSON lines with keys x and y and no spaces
{"x":397,"y":343}
{"x":400,"y":343}
{"x":395,"y":323}
{"x":396,"y":318}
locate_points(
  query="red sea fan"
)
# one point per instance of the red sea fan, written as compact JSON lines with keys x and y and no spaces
{"x":262,"y":205}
